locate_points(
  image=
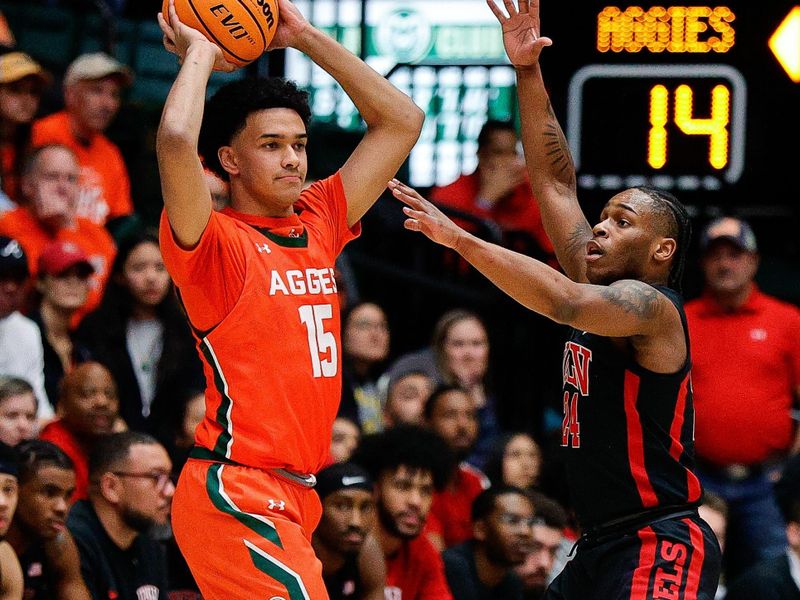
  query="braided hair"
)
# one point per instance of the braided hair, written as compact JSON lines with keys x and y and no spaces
{"x":677,"y":224}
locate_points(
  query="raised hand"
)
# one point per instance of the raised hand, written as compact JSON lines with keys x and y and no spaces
{"x":425,"y":217}
{"x":291,"y":23}
{"x":178,"y":37}
{"x":521,"y":31}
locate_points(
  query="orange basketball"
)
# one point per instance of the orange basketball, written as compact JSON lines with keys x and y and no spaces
{"x":241,"y":28}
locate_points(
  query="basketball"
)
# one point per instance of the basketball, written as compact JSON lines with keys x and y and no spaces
{"x":241,"y":28}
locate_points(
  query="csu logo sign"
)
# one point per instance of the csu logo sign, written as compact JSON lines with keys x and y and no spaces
{"x":405,"y":35}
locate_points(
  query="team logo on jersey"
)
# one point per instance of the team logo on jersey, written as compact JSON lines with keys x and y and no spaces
{"x":667,"y":582}
{"x":294,"y":282}
{"x":263,"y":248}
{"x":147,"y":592}
{"x":575,"y":373}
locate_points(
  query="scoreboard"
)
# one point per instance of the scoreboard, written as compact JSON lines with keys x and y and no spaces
{"x":703,"y":100}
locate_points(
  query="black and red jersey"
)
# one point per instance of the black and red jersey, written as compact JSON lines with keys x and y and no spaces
{"x":628,"y":433}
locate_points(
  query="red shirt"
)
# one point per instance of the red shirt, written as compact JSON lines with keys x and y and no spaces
{"x":261,"y":296}
{"x":450,"y":514}
{"x":745,"y":371}
{"x":56,"y":433}
{"x":519,"y":211}
{"x":416,"y":572}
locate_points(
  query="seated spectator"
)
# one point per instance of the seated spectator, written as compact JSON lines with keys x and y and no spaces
{"x":49,"y":189}
{"x":63,"y":287}
{"x":483,"y":567}
{"x":352,"y":561}
{"x":407,"y":391}
{"x":11,"y":582}
{"x":21,"y":353}
{"x":538,"y":570}
{"x":344,"y":438}
{"x":714,"y":511}
{"x":365,"y":345}
{"x":516,"y":459}
{"x":140,"y":334}
{"x":459,"y":355}
{"x":498,"y":189}
{"x":38,"y":534}
{"x":130,"y":491}
{"x":17,"y":411}
{"x":22,"y":82}
{"x":176,"y":433}
{"x":776,"y":578}
{"x":407,"y":464}
{"x":93,"y":85}
{"x":451,"y":414}
{"x":89,"y":410}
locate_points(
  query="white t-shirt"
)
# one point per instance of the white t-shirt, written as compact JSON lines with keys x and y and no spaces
{"x":21,"y":355}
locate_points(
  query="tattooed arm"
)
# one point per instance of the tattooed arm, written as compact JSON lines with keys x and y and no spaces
{"x":547,"y":155}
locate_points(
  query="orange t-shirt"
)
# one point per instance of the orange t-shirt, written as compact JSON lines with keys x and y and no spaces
{"x":93,"y":239}
{"x":261,"y":296}
{"x":105,"y":189}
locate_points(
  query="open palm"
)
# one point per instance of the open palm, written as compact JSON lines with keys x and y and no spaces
{"x":521,"y":31}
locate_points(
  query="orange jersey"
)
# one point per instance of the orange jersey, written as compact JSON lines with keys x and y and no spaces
{"x":261,"y":296}
{"x":105,"y":188}
{"x":93,"y":239}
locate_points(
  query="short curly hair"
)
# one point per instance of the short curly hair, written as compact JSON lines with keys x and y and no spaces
{"x":227,"y":110}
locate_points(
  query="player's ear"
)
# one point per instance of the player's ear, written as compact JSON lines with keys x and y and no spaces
{"x":665,"y":249}
{"x":227,"y":158}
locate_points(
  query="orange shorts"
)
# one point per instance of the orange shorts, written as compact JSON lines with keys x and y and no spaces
{"x":246,"y":533}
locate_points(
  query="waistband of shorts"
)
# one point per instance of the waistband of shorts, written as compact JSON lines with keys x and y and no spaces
{"x":306,"y":480}
{"x":617,"y":527}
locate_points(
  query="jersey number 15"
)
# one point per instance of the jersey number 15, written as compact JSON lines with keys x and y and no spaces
{"x":321,"y":343}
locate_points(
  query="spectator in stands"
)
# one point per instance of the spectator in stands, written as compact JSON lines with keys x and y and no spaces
{"x":548,"y":538}
{"x":22,"y":83}
{"x":21,"y":353}
{"x":365,"y":346}
{"x":130,"y":491}
{"x":63,"y":287}
{"x":451,"y":414}
{"x":11,"y":582}
{"x":714,"y":511}
{"x":746,"y":379}
{"x":352,"y":561}
{"x":406,"y":393}
{"x":176,"y":432}
{"x":515,"y":459}
{"x":344,"y":438}
{"x":38,"y":534}
{"x":407,"y":464}
{"x":93,"y":85}
{"x":89,"y":410}
{"x":776,"y":577}
{"x":498,"y":190}
{"x":482,"y":568}
{"x":459,"y":355}
{"x":49,"y":188}
{"x":17,"y":411}
{"x":140,"y":334}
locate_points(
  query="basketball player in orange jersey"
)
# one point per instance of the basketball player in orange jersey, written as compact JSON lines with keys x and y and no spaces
{"x":257,"y":283}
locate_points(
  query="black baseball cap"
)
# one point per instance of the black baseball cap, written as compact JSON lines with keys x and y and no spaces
{"x":342,"y":476}
{"x":13,"y":262}
{"x":736,"y":231}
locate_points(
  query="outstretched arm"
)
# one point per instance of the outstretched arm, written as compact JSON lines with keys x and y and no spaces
{"x":624,"y":309}
{"x":187,"y":198}
{"x":393,"y":120}
{"x":549,"y":162}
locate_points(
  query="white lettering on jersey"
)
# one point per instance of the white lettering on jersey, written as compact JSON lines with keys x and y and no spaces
{"x":310,"y":282}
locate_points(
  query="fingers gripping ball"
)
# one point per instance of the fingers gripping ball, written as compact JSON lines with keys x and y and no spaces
{"x":241,"y":28}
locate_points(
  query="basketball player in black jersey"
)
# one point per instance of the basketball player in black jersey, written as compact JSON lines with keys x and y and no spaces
{"x":627,"y":434}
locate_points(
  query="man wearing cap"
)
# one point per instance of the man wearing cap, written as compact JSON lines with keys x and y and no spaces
{"x":353,"y":567}
{"x":63,"y":285}
{"x":93,"y":85}
{"x":21,"y":352}
{"x":50,"y":189}
{"x":746,"y":378}
{"x":22,"y":82}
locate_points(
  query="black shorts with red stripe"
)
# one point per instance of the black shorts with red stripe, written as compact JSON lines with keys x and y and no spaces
{"x":673,"y":558}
